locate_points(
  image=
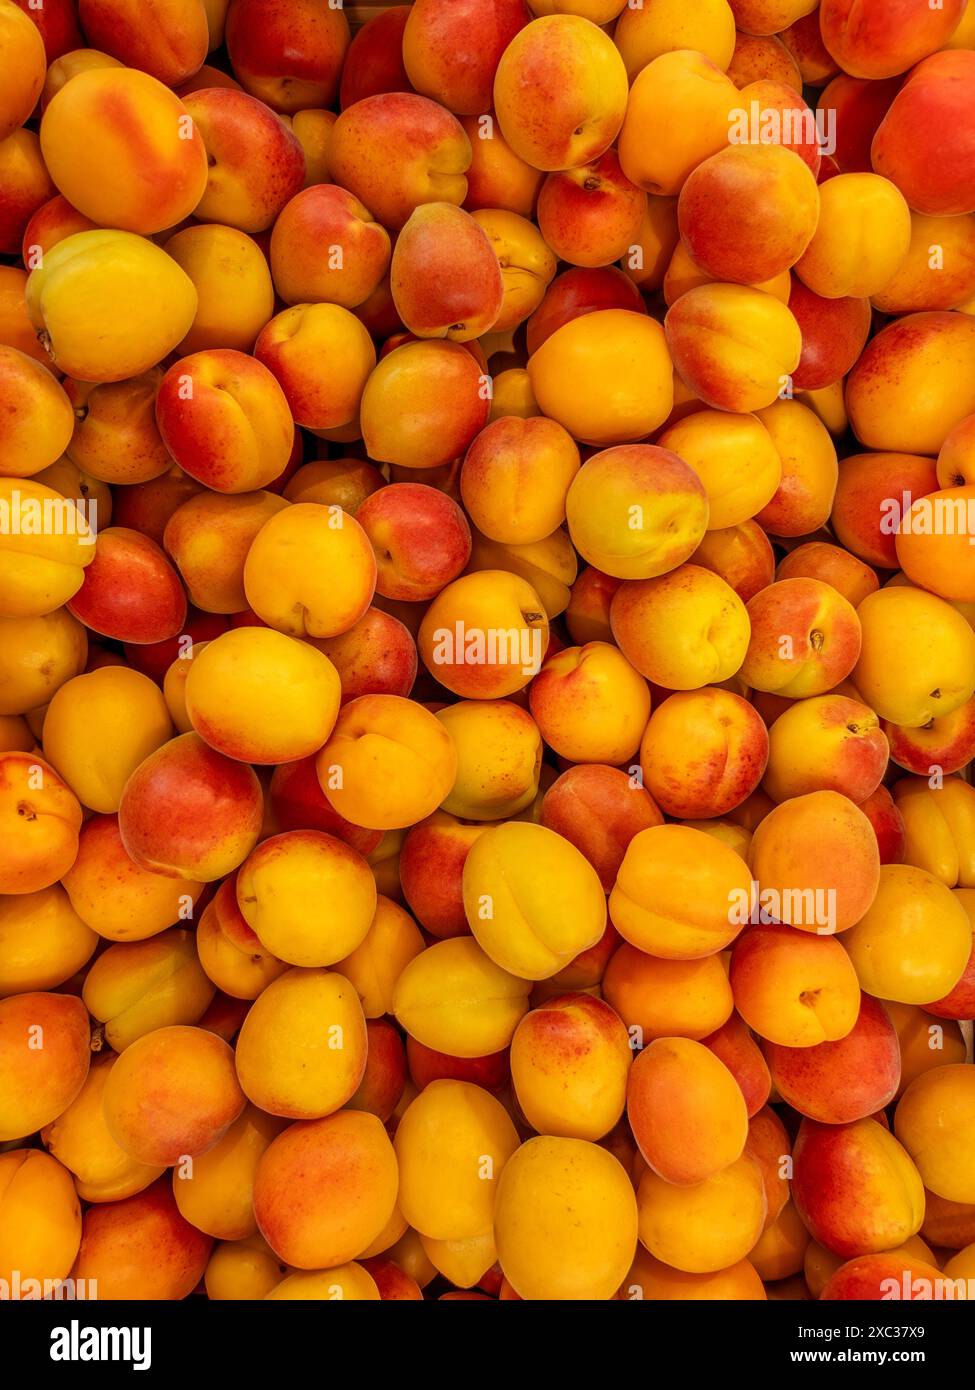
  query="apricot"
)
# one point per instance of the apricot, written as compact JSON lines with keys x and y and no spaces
{"x":856,"y":211}
{"x":734,"y":346}
{"x":917,"y":659}
{"x":876,"y":41}
{"x":38,"y":422}
{"x":794,"y":987}
{"x":40,"y":1220}
{"x":740,"y":555}
{"x":44,"y":1047}
{"x":659,"y":998}
{"x":397,"y":150}
{"x":25,"y":62}
{"x":532,"y":900}
{"x":43,"y":941}
{"x":674,"y":893}
{"x":688,"y":94}
{"x":714,"y":444}
{"x":569,"y":1063}
{"x":214,"y":1192}
{"x":37,"y":655}
{"x":938,"y":821}
{"x":515,"y":478}
{"x":301,"y":1052}
{"x":123,"y":150}
{"x":136,"y":987}
{"x":451,"y":56}
{"x":934,"y":1121}
{"x":890,"y":1275}
{"x":115,"y":436}
{"x":325,"y":1189}
{"x":454,"y":998}
{"x":230,"y":953}
{"x":140,"y":1247}
{"x":444,"y":277}
{"x":643,"y":33}
{"x":242,"y":1270}
{"x":172,"y":1094}
{"x":921,"y":142}
{"x":350,"y":1282}
{"x":683,"y":630}
{"x":115,"y":896}
{"x":392,"y":941}
{"x":424,"y":404}
{"x":189,"y":812}
{"x":233,"y":284}
{"x":420,"y":536}
{"x":590,"y":704}
{"x":686,"y":1111}
{"x":605,"y":376}
{"x":704,"y":1226}
{"x":883,"y":1197}
{"x":109,"y":305}
{"x":485,"y":634}
{"x":826,"y":743}
{"x":703,"y":752}
{"x":580,"y":1196}
{"x":499,"y":754}
{"x":79,"y":1138}
{"x":42,"y":555}
{"x":291,"y":60}
{"x":599,"y":809}
{"x":652,"y":1279}
{"x":42,"y":819}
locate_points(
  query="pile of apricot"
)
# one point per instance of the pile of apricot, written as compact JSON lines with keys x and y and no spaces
{"x":487,"y":648}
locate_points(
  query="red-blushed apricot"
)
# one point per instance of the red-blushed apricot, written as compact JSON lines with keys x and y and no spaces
{"x":923,"y":141}
{"x":208,"y":537}
{"x":875,"y":40}
{"x":302,"y":1048}
{"x":130,"y":591}
{"x":934,"y":1120}
{"x":451,"y":54}
{"x":686,"y":1110}
{"x":884,"y":1276}
{"x":36,"y":428}
{"x":297,"y":802}
{"x":388,"y":762}
{"x":214,"y":1193}
{"x":560,"y":92}
{"x":289,"y":58}
{"x":225,"y":420}
{"x":172,"y":1094}
{"x":703,"y":752}
{"x":26,"y":187}
{"x":636,"y":511}
{"x":325,"y":1189}
{"x":123,"y":150}
{"x":444,"y":276}
{"x":170,"y":42}
{"x":291,"y":345}
{"x":939,"y":269}
{"x":580,"y":291}
{"x":426,"y":1064}
{"x":826,"y":743}
{"x":820,"y":1264}
{"x":115,"y":436}
{"x":135,"y":987}
{"x":682,"y":630}
{"x":385,"y":1078}
{"x":659,"y":998}
{"x":868,"y":488}
{"x":599,"y":809}
{"x":420,"y":537}
{"x":606,"y":376}
{"x":834,"y":333}
{"x":855,"y":1187}
{"x":651,"y":1279}
{"x":959,"y":1002}
{"x":117,"y":897}
{"x":189,"y":812}
{"x":704,"y":1226}
{"x":578,"y":1194}
{"x":816,"y":861}
{"x":805,"y":638}
{"x":431,"y":872}
{"x":44,"y":1045}
{"x":735,"y":1046}
{"x":327,"y":248}
{"x":838,"y":1082}
{"x":734,"y":346}
{"x":452,"y":1144}
{"x":913,"y":944}
{"x":141,"y":1248}
{"x":397,"y":150}
{"x":928,"y":356}
{"x":424,"y":404}
{"x":832,"y":564}
{"x":906,"y":683}
{"x":41,"y":819}
{"x":676,"y":891}
{"x":453,"y":998}
{"x":590,"y":704}
{"x":768,"y":1143}
{"x":591,"y":215}
{"x":766,"y":194}
{"x":569,"y":1063}
{"x":794,"y":988}
{"x":515,"y":478}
